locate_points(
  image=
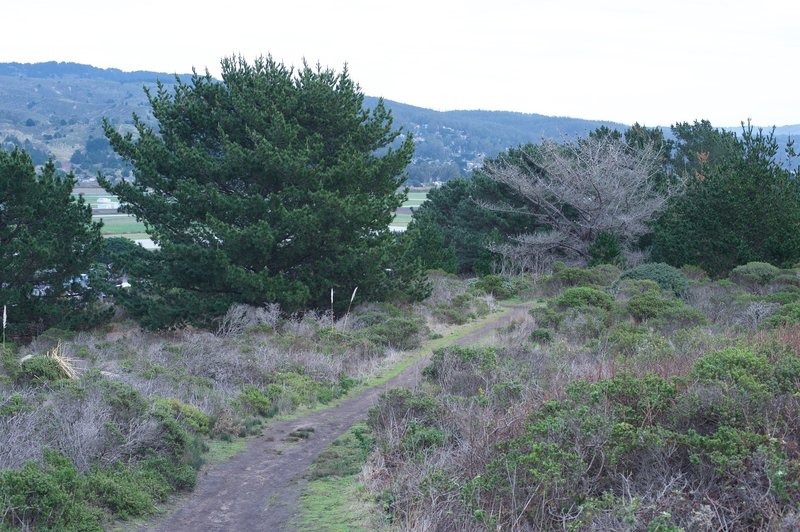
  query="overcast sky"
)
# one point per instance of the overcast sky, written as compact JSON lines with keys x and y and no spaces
{"x":656,"y":62}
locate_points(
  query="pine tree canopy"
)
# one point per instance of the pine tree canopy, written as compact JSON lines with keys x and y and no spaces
{"x":272,"y":185}
{"x":47,"y":239}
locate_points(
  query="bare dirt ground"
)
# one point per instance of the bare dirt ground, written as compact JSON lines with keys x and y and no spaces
{"x":258,"y":489}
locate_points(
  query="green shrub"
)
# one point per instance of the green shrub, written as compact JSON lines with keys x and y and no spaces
{"x":399,"y":332}
{"x":626,"y":338}
{"x":606,"y":249}
{"x":499,"y":287}
{"x":540,"y":336}
{"x":564,"y":276}
{"x":667,"y":277}
{"x":735,"y":366}
{"x":44,"y":496}
{"x":584,"y":296}
{"x":754,"y":274}
{"x":650,"y":305}
{"x":13,"y":404}
{"x":261,"y":402}
{"x":419,"y":437}
{"x":461,"y":357}
{"x":626,"y":288}
{"x":190,"y":416}
{"x":39,"y":368}
{"x":787,"y":315}
{"x":695,"y":273}
{"x":401,"y":403}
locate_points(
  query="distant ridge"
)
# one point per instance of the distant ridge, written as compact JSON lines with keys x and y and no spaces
{"x":62,"y":69}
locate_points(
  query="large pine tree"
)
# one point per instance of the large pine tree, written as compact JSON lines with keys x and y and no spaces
{"x":47,"y":239}
{"x":272,"y":185}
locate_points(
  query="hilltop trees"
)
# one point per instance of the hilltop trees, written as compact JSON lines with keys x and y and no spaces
{"x":47,"y":238}
{"x":274,"y":185}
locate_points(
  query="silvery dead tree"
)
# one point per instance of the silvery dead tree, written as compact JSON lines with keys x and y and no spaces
{"x":581,"y":189}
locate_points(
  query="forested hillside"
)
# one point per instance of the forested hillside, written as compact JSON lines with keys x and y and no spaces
{"x":55,"y":110}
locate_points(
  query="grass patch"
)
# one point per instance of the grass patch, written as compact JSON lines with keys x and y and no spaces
{"x":333,"y":499}
{"x":219,"y":450}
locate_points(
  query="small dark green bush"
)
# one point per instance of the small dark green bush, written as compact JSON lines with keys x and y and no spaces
{"x":584,"y":296}
{"x":454,"y":357}
{"x":787,"y":315}
{"x":606,"y":249}
{"x":754,"y":274}
{"x":39,"y":369}
{"x":667,"y":277}
{"x":650,"y":305}
{"x":45,"y":496}
{"x":402,"y":403}
{"x":398,"y":332}
{"x":499,"y":287}
{"x":541,"y":336}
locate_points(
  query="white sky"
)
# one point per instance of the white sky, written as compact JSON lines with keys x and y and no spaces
{"x":656,"y":62}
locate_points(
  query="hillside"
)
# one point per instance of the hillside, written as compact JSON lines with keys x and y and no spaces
{"x":55,"y":110}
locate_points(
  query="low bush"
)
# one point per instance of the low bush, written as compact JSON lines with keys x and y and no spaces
{"x":38,"y":369}
{"x":45,"y":496}
{"x":754,"y":275}
{"x":787,"y":315}
{"x":540,"y":336}
{"x":667,"y":277}
{"x":564,"y":276}
{"x":584,"y":296}
{"x":398,"y":332}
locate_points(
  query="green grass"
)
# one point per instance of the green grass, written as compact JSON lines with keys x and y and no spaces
{"x":120,"y":225}
{"x":219,"y":450}
{"x":333,"y":499}
{"x":401,"y":220}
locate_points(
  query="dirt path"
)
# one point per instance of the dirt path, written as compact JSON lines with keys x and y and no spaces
{"x":258,"y":488}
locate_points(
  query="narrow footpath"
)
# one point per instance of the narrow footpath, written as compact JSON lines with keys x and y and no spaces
{"x":258,"y":489}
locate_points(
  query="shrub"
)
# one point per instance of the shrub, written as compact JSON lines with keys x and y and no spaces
{"x":190,"y":416}
{"x":499,"y":287}
{"x":735,"y":366}
{"x":584,"y":296}
{"x":626,"y":288}
{"x":564,"y":276}
{"x":754,"y":275}
{"x":540,"y":336}
{"x":39,"y":368}
{"x":695,"y":273}
{"x":44,"y":496}
{"x":786,"y":315}
{"x":398,"y":332}
{"x":605,"y":249}
{"x":448,"y":358}
{"x":401,"y":403}
{"x":650,"y":305}
{"x":667,"y":277}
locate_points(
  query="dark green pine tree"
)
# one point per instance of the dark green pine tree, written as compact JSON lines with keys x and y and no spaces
{"x":273,"y":185}
{"x":739,"y":207}
{"x":47,"y":238}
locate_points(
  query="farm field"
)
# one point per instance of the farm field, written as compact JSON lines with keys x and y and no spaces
{"x":126,"y":225}
{"x":121,"y":225}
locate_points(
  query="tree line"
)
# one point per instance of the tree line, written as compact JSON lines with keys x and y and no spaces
{"x":277,"y":185}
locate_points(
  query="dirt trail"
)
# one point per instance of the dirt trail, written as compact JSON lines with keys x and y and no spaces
{"x":258,"y":488}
